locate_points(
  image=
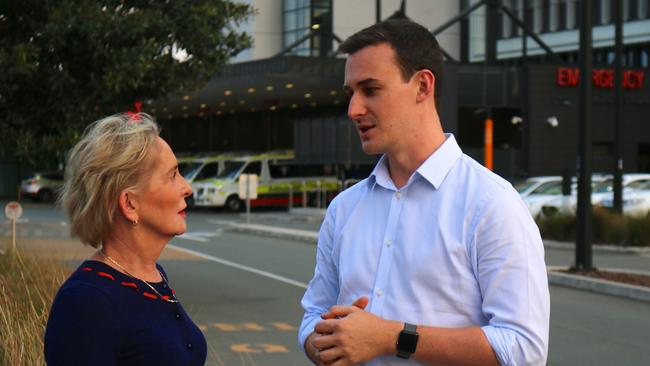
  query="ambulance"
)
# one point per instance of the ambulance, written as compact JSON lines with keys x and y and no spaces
{"x":279,"y":178}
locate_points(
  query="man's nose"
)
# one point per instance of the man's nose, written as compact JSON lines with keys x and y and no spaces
{"x":356,"y":107}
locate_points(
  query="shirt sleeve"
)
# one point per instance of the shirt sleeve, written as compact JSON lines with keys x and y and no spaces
{"x":510,"y":267}
{"x":322,"y":291}
{"x":83,"y":328}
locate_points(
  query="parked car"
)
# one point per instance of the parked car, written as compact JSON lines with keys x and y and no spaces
{"x":42,"y":186}
{"x":636,"y":200}
{"x":535,"y":191}
{"x":534,"y":185}
{"x":601,"y":191}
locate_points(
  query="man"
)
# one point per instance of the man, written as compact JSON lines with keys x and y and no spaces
{"x":432,"y":257}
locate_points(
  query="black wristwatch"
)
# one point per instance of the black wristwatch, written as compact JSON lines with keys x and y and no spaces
{"x":407,"y":341}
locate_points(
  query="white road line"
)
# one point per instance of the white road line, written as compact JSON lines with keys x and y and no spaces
{"x":240,"y":266}
{"x":201,"y":236}
{"x":220,"y":222}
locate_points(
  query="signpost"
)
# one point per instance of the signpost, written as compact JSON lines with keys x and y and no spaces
{"x":13,"y":211}
{"x":248,"y":191}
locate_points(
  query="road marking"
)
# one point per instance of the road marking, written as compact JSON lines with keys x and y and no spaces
{"x":258,"y":348}
{"x":230,"y":327}
{"x":220,"y":222}
{"x":201,"y":236}
{"x":284,"y":326}
{"x":241,"y":266}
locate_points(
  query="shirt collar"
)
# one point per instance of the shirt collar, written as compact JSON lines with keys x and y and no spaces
{"x":434,"y":169}
{"x":438,"y":165}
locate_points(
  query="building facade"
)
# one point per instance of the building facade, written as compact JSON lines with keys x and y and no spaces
{"x":286,"y":91}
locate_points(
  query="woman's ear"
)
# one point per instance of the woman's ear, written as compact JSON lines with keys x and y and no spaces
{"x":426,"y":84}
{"x":128,"y":206}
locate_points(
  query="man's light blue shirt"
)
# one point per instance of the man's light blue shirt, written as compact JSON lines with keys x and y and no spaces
{"x":455,"y":247}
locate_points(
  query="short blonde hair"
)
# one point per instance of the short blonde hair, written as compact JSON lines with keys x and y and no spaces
{"x":112,"y":155}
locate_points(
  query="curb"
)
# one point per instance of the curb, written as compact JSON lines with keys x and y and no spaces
{"x":310,"y":237}
{"x":606,"y":287}
{"x":554,"y":244}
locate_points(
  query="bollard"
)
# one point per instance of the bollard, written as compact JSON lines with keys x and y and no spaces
{"x":325,"y":195}
{"x":304,"y":194}
{"x":318,"y":193}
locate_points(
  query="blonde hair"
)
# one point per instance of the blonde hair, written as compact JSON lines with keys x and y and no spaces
{"x":110,"y":158}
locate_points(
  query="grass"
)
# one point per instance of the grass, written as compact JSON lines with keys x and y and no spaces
{"x":27,"y":288}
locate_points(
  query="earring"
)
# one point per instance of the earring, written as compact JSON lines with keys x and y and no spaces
{"x":134,"y":222}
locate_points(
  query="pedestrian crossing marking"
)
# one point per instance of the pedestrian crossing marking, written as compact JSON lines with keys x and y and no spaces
{"x":254,"y":327}
{"x":229,"y":327}
{"x":258,"y":348}
{"x":284,"y":326}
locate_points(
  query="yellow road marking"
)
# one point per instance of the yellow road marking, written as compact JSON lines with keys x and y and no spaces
{"x":258,"y":348}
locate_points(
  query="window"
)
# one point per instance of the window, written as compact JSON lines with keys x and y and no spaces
{"x":605,"y":12}
{"x":210,"y":170}
{"x":254,"y":167}
{"x":299,"y":16}
{"x":538,"y":18}
{"x":554,"y":16}
{"x":643,"y":9}
{"x":571,"y":14}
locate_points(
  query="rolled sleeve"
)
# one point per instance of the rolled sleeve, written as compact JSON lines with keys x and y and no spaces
{"x":323,"y":289}
{"x":512,"y":277}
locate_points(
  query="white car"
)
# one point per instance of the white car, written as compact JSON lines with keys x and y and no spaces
{"x":567,"y":204}
{"x":601,"y":193}
{"x":534,"y":185}
{"x":636,"y":201}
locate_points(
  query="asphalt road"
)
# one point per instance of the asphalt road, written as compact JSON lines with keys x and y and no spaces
{"x":244,"y":292}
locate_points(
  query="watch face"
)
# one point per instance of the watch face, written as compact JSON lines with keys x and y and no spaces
{"x":407,"y":341}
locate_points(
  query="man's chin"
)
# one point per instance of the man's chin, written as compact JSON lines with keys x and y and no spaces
{"x":369,"y":149}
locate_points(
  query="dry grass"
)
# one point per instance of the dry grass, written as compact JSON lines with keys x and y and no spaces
{"x":27,"y":288}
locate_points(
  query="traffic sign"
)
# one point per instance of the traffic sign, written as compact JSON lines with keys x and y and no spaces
{"x":248,"y":186}
{"x":13,"y":210}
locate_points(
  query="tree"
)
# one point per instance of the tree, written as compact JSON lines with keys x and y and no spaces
{"x":66,"y":63}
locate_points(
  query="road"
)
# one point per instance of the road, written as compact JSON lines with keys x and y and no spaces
{"x":244,"y":292}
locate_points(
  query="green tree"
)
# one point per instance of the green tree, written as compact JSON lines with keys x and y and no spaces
{"x":65,"y":63}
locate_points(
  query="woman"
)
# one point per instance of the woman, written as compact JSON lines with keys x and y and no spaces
{"x":123,"y":195}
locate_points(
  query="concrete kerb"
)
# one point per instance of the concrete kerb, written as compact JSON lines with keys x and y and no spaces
{"x":554,"y":277}
{"x":639,"y":293}
{"x":598,"y":247}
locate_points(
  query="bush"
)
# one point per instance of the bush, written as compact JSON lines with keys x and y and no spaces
{"x":607,"y":227}
{"x":28,"y":287}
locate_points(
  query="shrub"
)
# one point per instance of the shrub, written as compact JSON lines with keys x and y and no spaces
{"x":607,"y":227}
{"x":28,"y":287}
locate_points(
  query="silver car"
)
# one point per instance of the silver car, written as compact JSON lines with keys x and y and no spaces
{"x":43,"y":187}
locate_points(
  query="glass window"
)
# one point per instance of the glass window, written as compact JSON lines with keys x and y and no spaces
{"x":231,"y":168}
{"x":209,"y":170}
{"x":642,"y":8}
{"x":254,"y":167}
{"x":506,"y":22}
{"x":643,"y":57}
{"x":554,"y":15}
{"x":571,"y":14}
{"x":605,"y":11}
{"x":549,"y":188}
{"x":626,"y":10}
{"x":538,"y":19}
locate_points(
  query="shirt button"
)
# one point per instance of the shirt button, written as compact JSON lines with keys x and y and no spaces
{"x":398,"y":195}
{"x":379,"y":292}
{"x":178,"y":316}
{"x":389,"y":242}
{"x":189,"y":345}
